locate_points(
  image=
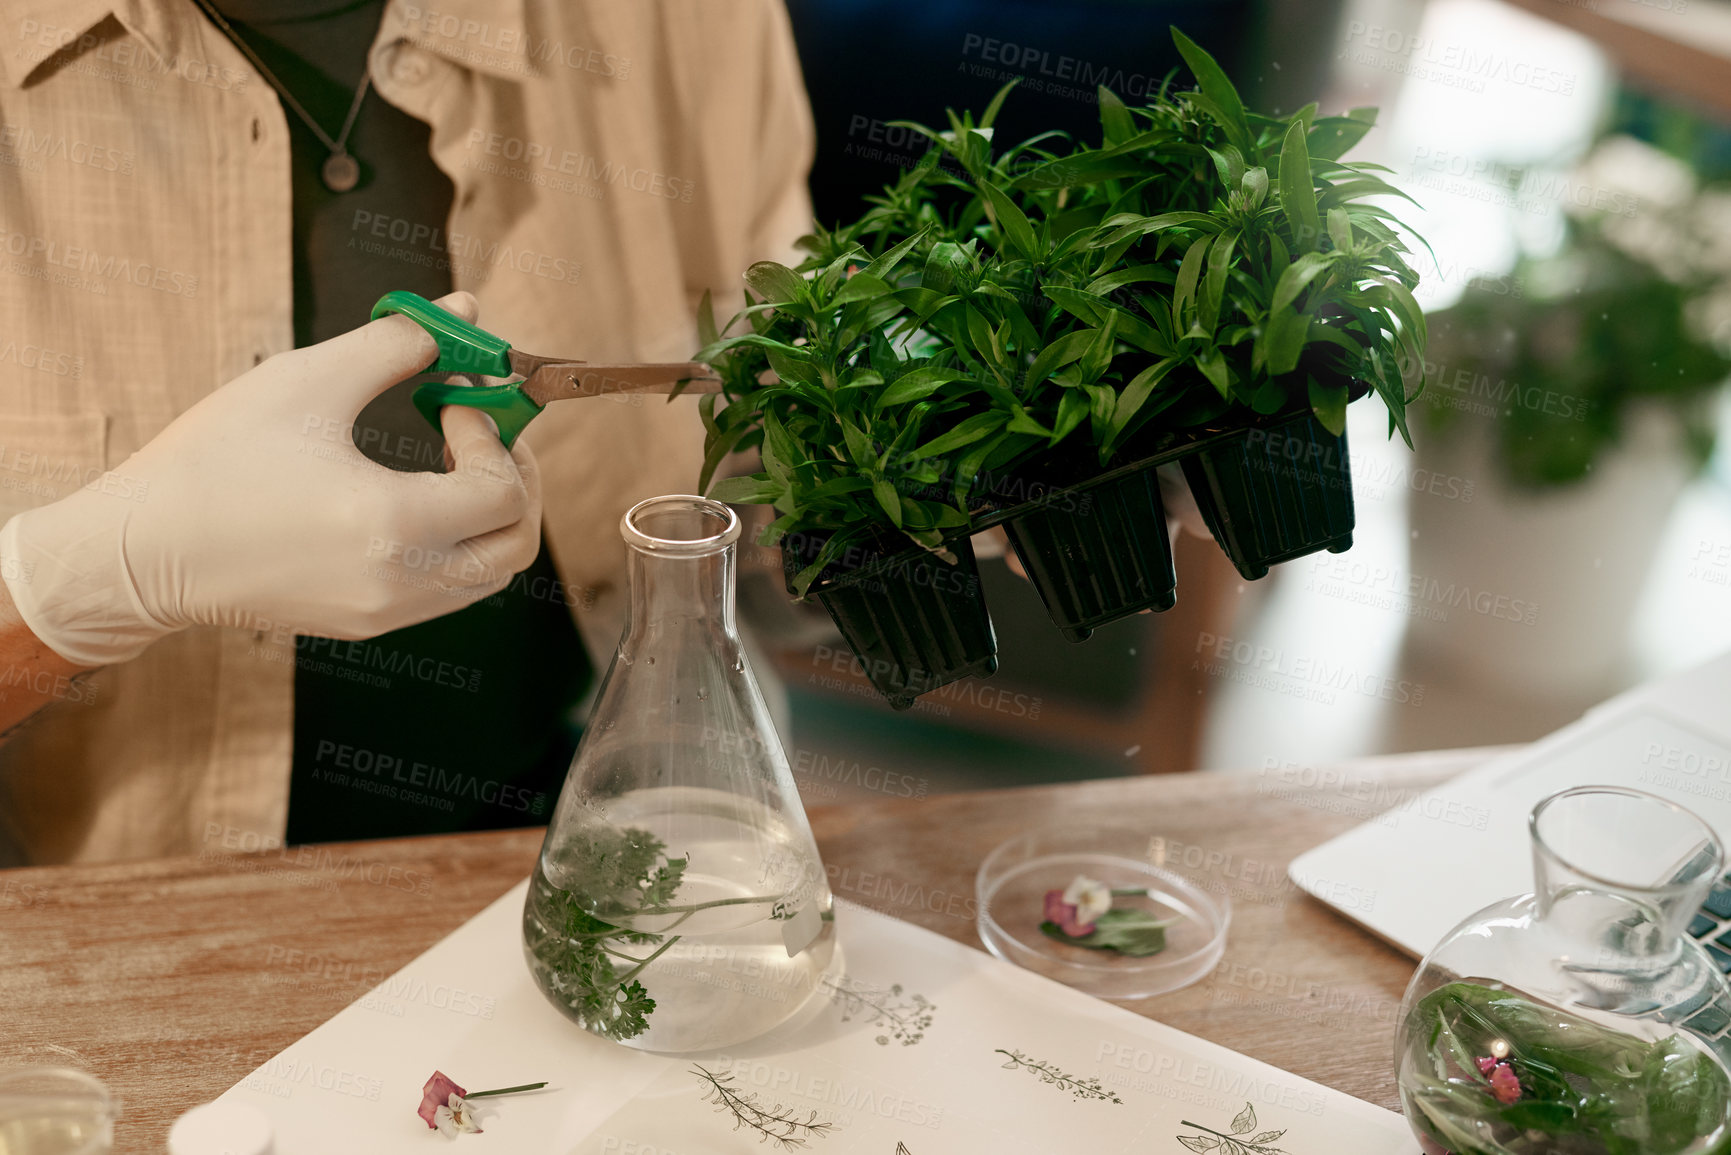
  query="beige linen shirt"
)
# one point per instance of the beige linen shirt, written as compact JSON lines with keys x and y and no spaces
{"x":611,"y":162}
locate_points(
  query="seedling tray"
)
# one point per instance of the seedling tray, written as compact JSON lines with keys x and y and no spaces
{"x":1093,"y":542}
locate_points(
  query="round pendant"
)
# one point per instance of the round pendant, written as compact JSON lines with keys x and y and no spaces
{"x":341,"y":172}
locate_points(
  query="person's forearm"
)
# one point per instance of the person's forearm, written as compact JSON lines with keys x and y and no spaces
{"x":31,"y":674}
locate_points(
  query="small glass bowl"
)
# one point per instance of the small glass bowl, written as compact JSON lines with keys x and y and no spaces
{"x":55,"y":1109}
{"x":1011,"y":887}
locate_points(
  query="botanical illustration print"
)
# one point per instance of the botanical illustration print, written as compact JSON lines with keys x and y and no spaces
{"x":1238,"y":1140}
{"x":903,"y":1018}
{"x":778,"y":1124}
{"x":1078,"y":1088}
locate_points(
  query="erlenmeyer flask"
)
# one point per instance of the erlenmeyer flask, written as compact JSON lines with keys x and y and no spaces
{"x":1581,"y":1019}
{"x":679,"y":903}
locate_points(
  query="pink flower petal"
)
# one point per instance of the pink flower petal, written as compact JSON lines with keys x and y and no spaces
{"x":1064,"y":914}
{"x":1486,"y":1066}
{"x":1504,"y":1085}
{"x":435,"y":1094}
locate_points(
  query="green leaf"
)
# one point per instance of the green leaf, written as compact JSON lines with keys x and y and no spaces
{"x":1098,"y":358}
{"x":1284,"y":336}
{"x":1188,"y":274}
{"x":1340,"y":229}
{"x":991,"y":113}
{"x":943,"y":266}
{"x":1021,"y":422}
{"x":1134,"y":395}
{"x":1012,"y":222}
{"x":867,"y":317}
{"x":1135,"y":933}
{"x":1296,"y":276}
{"x":707,"y":334}
{"x":1116,"y":127}
{"x":831,"y":549}
{"x":860,"y":287}
{"x":1328,"y":402}
{"x":1214,"y":285}
{"x":892,"y":257}
{"x":1254,"y":186}
{"x":1268,"y":398}
{"x":1055,"y":356}
{"x":1297,"y":193}
{"x":1085,"y":307}
{"x":859,"y":446}
{"x":715,"y":449}
{"x":1129,"y":275}
{"x":1229,"y":163}
{"x":794,"y":365}
{"x":1214,"y":84}
{"x":888,"y":499}
{"x":1331,"y":137}
{"x":1393,"y":394}
{"x":966,"y":432}
{"x":779,"y":451}
{"x":1211,"y":363}
{"x":776,"y":284}
{"x":758,"y":490}
{"x":1072,"y":410}
{"x":1128,"y":226}
{"x":917,"y":384}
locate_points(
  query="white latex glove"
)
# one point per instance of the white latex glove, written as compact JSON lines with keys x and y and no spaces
{"x":258,"y":511}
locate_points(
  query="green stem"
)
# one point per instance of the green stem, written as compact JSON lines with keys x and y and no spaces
{"x":693,"y":908}
{"x":505,"y":1091}
{"x":619,"y":954}
{"x":636,"y":970}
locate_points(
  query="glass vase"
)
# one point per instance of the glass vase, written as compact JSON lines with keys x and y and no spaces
{"x":1581,"y":1019}
{"x":679,"y":904}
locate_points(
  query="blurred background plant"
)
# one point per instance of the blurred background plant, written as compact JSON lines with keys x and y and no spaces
{"x":1633,"y":307}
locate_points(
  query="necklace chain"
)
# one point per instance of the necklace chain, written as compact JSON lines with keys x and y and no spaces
{"x":337,"y":147}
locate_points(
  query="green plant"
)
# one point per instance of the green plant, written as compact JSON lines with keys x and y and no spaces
{"x":626,"y":875}
{"x":1594,"y":331}
{"x":1203,"y":264}
{"x":1493,"y":1073}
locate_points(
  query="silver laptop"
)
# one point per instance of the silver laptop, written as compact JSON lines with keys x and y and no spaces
{"x":1435,"y":858}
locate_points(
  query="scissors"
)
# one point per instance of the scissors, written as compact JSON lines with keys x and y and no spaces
{"x":466,"y":349}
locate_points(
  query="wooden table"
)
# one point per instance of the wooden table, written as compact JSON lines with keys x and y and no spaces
{"x":172,"y":979}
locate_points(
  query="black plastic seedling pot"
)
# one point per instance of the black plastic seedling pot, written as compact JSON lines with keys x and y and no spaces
{"x":914,"y":621}
{"x":1098,"y":552}
{"x":1275,"y":493}
{"x":1093,"y":541}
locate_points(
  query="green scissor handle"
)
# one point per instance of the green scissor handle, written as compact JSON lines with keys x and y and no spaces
{"x":463,"y":348}
{"x":508,"y":406}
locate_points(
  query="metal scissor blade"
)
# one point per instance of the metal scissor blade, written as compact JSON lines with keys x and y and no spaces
{"x":558,"y":380}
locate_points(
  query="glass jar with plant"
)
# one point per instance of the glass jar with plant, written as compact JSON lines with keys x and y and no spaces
{"x":1020,"y":336}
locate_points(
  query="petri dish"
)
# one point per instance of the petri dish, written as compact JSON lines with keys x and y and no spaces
{"x":1010,"y":892}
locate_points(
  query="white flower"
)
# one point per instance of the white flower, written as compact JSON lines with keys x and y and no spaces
{"x":1091,"y":899}
{"x":456,"y":1118}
